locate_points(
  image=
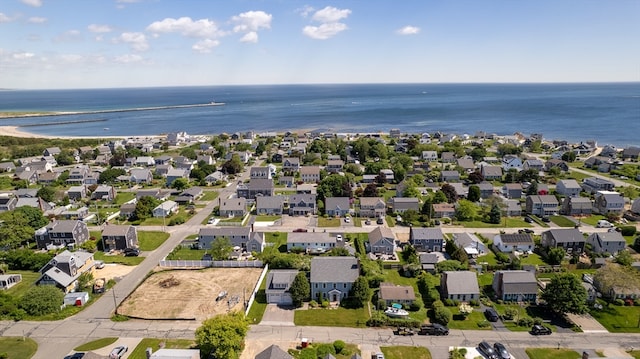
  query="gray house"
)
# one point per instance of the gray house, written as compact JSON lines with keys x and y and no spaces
{"x":238,"y":236}
{"x":273,"y":352}
{"x":233,"y":207}
{"x":382,"y":241}
{"x":256,"y":187}
{"x":461,"y":286}
{"x":278,"y":283}
{"x":402,"y":204}
{"x":510,"y":242}
{"x":372,"y":207}
{"x":63,"y":232}
{"x":512,"y":190}
{"x":401,"y":294}
{"x":568,"y":188}
{"x":571,"y":240}
{"x":115,"y":237}
{"x":542,"y":205}
{"x":609,"y":242}
{"x":314,"y":242}
{"x":515,"y":286}
{"x":302,"y":204}
{"x":426,"y":239}
{"x":337,"y":206}
{"x":271,"y":205}
{"x":333,"y":277}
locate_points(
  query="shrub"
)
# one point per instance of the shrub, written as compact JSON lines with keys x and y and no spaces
{"x":510,"y":313}
{"x":484,"y":324}
{"x":618,"y":302}
{"x":442,"y":315}
{"x":636,"y":301}
{"x":313,"y":304}
{"x":308,"y":353}
{"x":474,"y":303}
{"x":339,"y":346}
{"x":176,"y":221}
{"x":323,"y":349}
{"x":628,"y":230}
{"x":325,"y":304}
{"x":450,"y":303}
{"x":537,"y":321}
{"x":525,"y":322}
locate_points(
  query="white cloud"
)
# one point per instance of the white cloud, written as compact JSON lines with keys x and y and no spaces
{"x":250,"y":37}
{"x":252,"y":21}
{"x":72,"y":58}
{"x":37,"y":20}
{"x":331,"y":14}
{"x":22,"y":55}
{"x":128,"y":59}
{"x":137,"y":40}
{"x":100,"y":29}
{"x":69,"y":36}
{"x":203,"y":28}
{"x":4,"y":18}
{"x":324,"y":31}
{"x":408,"y":30}
{"x":305,"y":11}
{"x":34,"y":3}
{"x":205,"y":46}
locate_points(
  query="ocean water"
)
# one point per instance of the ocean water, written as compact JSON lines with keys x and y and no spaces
{"x":606,"y":112}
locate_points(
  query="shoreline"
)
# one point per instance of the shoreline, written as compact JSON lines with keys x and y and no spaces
{"x":17,"y":131}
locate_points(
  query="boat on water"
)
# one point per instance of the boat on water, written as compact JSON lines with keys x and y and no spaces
{"x":396,"y":311}
{"x":214,"y":103}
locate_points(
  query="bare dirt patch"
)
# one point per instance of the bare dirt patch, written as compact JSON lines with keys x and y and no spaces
{"x":182,"y":294}
{"x":113,"y":271}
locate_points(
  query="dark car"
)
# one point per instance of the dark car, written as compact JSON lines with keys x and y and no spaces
{"x":491,"y":315}
{"x":433,"y":329}
{"x":487,"y":350}
{"x":501,"y":351}
{"x":131,"y":252}
{"x":300,"y":230}
{"x":78,"y":355}
{"x":528,"y":230}
{"x":379,"y":220}
{"x":546,"y":219}
{"x":528,"y":219}
{"x":540,"y":330}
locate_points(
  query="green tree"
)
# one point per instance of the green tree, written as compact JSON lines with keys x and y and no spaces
{"x":441,"y":314}
{"x":48,"y":194}
{"x":624,"y":258}
{"x":569,"y":156}
{"x":474,"y":193}
{"x":495,"y":214}
{"x":180,"y":184}
{"x":110,"y":175}
{"x":65,"y":158}
{"x":555,"y":255}
{"x":233,"y":166}
{"x":15,"y":230}
{"x":189,"y":153}
{"x":223,"y":336}
{"x":34,"y":216}
{"x":221,"y":248}
{"x":84,"y":280}
{"x":144,"y":207}
{"x":360,"y":292}
{"x":565,"y":294}
{"x":450,"y":192}
{"x":300,"y":289}
{"x":466,"y":210}
{"x":533,"y":188}
{"x":409,"y":254}
{"x":41,"y":300}
{"x":334,"y":185}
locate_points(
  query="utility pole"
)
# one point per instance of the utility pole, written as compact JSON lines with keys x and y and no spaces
{"x":115,"y":302}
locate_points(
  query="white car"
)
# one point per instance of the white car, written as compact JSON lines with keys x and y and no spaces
{"x":99,"y":264}
{"x":347,"y":220}
{"x":118,"y":352}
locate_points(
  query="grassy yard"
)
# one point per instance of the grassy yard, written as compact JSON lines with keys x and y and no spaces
{"x":489,"y":258}
{"x":511,"y":222}
{"x":532,"y":259}
{"x":549,"y":353}
{"x":339,"y":317}
{"x":592,"y":220}
{"x":470,"y":323}
{"x":18,"y":347}
{"x":267,"y":218}
{"x":150,"y":241}
{"x":401,"y":352}
{"x":139,"y":351}
{"x":618,"y":319}
{"x":96,"y":344}
{"x":562,"y":221}
{"x":328,"y":222}
{"x":188,"y":254}
{"x":635,"y":354}
{"x":123,"y":197}
{"x":209,"y":196}
{"x":259,"y":304}
{"x":119,"y":259}
{"x":391,"y":221}
{"x":310,"y":351}
{"x":28,"y":280}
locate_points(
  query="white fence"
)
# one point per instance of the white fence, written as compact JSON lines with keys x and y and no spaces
{"x":255,"y":289}
{"x":207,"y":264}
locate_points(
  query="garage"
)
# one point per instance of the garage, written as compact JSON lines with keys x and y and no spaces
{"x":278,"y":283}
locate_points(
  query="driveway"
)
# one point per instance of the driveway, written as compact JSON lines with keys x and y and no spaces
{"x":587,"y":323}
{"x":275,"y":315}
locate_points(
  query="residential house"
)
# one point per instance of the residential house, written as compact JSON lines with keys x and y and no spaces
{"x":189,"y":195}
{"x":119,"y":237}
{"x":65,"y":268}
{"x":311,"y":242}
{"x":515,"y":286}
{"x":29,"y":176}
{"x":577,"y":206}
{"x":443,"y":210}
{"x":511,"y":162}
{"x":449,"y":176}
{"x":269,"y":205}
{"x":8,"y":202}
{"x":512,"y":190}
{"x":608,"y":202}
{"x":9,"y":280}
{"x":140,"y":176}
{"x":260,"y":172}
{"x":165,"y":209}
{"x":163,"y":160}
{"x":206,"y":159}
{"x":470,"y":244}
{"x":430,"y":156}
{"x":402,"y":204}
{"x":400,"y":294}
{"x":333,"y":277}
{"x":48,"y":178}
{"x":462,"y":191}
{"x":426,"y":239}
{"x":553,"y":163}
{"x":163,"y":170}
{"x":310,"y":174}
{"x":486,"y":189}
{"x":144,"y":161}
{"x":382,"y":241}
{"x":491,"y":173}
{"x":174,"y":174}
{"x":287,"y":181}
{"x":62,"y":233}
{"x":277,"y":157}
{"x":631,"y":153}
{"x":533,"y":165}
{"x":215,"y":177}
{"x":278,"y":283}
{"x":448,"y":157}
{"x":273,"y":352}
{"x":156,"y":193}
{"x":233,"y":207}
{"x":542,"y":205}
{"x":513,"y":208}
{"x":337,"y":206}
{"x":104,"y":192}
{"x":595,"y":184}
{"x":78,"y":175}
{"x":51,"y":151}
{"x":256,"y":243}
{"x":461,"y":286}
{"x":26,"y":193}
{"x":334,"y":166}
{"x":512,"y":242}
{"x":571,"y":240}
{"x":306,"y":188}
{"x":302,"y":204}
{"x":428,"y":261}
{"x":80,"y":213}
{"x":291,"y":164}
{"x":607,"y":242}
{"x":255,"y":187}
{"x":372,"y":207}
{"x":237,"y":236}
{"x":37,"y":202}
{"x":568,"y":188}
{"x":466,"y":164}
{"x":7,"y":167}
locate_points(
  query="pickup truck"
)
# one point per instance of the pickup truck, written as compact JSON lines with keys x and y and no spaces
{"x":403,"y":331}
{"x":98,"y":285}
{"x":433,"y":329}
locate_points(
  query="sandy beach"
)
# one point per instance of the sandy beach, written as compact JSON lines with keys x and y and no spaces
{"x":16,"y":131}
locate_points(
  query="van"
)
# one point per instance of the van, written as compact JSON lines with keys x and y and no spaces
{"x":491,"y":315}
{"x":604,"y":224}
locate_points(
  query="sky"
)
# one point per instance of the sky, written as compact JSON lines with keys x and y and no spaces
{"x":58,"y":44}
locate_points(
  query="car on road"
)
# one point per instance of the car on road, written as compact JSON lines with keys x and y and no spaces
{"x":526,"y":230}
{"x":131,"y":252}
{"x":546,"y":219}
{"x":487,"y":350}
{"x":338,"y":237}
{"x":403,"y":331}
{"x":211,"y":220}
{"x":347,"y":219}
{"x":540,"y":330}
{"x":502,"y":352}
{"x":118,"y":352}
{"x":491,"y":315}
{"x":433,"y":329}
{"x":300,"y":230}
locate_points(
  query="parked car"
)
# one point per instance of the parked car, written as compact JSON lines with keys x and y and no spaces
{"x":377,"y":356}
{"x":540,"y":330}
{"x":379,"y":220}
{"x":99,"y":264}
{"x":433,"y":329}
{"x":487,"y":350}
{"x":501,"y":351}
{"x":367,"y":222}
{"x":491,"y":315}
{"x":300,"y":230}
{"x":118,"y":352}
{"x":78,"y":355}
{"x":526,"y":230}
{"x":604,"y":224}
{"x":403,"y":331}
{"x":347,"y":219}
{"x":546,"y":219}
{"x":131,"y":252}
{"x":528,"y":219}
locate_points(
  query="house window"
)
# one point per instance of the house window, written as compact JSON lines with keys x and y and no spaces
{"x":324,"y":285}
{"x":344,"y":285}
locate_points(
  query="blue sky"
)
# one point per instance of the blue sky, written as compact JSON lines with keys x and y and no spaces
{"x":139,"y":43}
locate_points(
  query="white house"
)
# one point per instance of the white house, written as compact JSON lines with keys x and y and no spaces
{"x":165,"y":209}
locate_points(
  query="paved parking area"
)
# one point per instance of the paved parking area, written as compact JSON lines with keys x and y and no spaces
{"x":275,"y":315}
{"x":587,"y":323}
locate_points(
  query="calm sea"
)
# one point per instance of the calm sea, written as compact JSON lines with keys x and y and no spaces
{"x":606,"y":112}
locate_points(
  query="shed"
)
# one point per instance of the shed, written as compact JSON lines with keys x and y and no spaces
{"x":76,"y":298}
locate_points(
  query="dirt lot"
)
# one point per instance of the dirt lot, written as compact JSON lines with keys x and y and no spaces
{"x":177,"y":294}
{"x":113,"y":271}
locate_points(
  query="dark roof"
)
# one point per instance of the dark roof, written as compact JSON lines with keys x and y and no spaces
{"x":334,"y":269}
{"x":516,"y":238}
{"x":273,"y":352}
{"x":566,"y":235}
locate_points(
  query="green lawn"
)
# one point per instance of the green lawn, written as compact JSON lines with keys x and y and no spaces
{"x":259,"y":304}
{"x":328,"y":222}
{"x":123,"y":197}
{"x":275,"y":237}
{"x":618,"y":319}
{"x":549,"y":353}
{"x":470,"y":323}
{"x":184,"y":253}
{"x":139,"y":351}
{"x":635,"y":354}
{"x":339,"y":317}
{"x":310,"y":351}
{"x":562,"y":221}
{"x":401,"y":352}
{"x":28,"y":280}
{"x":592,"y":220}
{"x":391,"y":221}
{"x":267,"y":218}
{"x":533,"y":259}
{"x":511,"y":222}
{"x":489,"y":258}
{"x":119,"y":259}
{"x":209,"y":196}
{"x":149,"y":241}
{"x":96,"y":344}
{"x":18,"y":347}
{"x":393,"y":276}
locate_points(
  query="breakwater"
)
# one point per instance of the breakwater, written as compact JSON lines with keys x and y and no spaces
{"x":62,"y":123}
